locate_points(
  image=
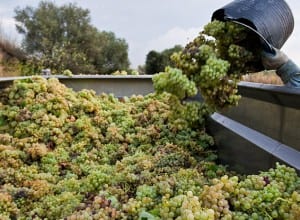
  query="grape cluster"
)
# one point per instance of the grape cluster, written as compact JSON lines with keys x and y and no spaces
{"x":216,"y":196}
{"x":8,"y":209}
{"x":215,"y":61}
{"x":184,"y":207}
{"x":174,"y":82}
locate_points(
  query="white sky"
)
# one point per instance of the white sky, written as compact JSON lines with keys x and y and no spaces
{"x":148,"y":24}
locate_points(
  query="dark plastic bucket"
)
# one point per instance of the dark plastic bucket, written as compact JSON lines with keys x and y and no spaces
{"x":271,"y":20}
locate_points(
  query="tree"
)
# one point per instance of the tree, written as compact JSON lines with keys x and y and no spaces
{"x":109,"y":53}
{"x":63,"y":38}
{"x":157,"y":61}
{"x":154,"y":62}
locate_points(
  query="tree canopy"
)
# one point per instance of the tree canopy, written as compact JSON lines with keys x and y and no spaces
{"x":157,"y":61}
{"x":63,"y":38}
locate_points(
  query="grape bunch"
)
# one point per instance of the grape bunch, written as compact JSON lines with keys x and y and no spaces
{"x":217,"y":196}
{"x":215,"y":61}
{"x":185,"y":207}
{"x":174,"y":82}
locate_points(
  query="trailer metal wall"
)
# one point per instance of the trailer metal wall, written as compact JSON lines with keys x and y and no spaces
{"x":262,"y":129}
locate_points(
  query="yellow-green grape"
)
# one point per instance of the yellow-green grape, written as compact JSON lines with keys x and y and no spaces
{"x":217,"y":196}
{"x":185,"y":206}
{"x":8,"y":208}
{"x":174,"y":82}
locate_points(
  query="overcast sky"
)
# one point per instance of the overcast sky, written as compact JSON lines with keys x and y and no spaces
{"x":148,"y":24}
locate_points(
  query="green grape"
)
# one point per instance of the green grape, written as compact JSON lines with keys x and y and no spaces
{"x":146,"y":191}
{"x":174,"y":82}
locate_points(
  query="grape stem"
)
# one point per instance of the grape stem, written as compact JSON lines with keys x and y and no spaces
{"x":281,"y":199}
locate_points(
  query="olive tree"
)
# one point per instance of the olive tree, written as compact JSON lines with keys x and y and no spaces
{"x":62,"y":37}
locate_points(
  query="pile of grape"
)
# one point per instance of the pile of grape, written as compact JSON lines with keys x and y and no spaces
{"x":216,"y":60}
{"x":78,"y":155}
